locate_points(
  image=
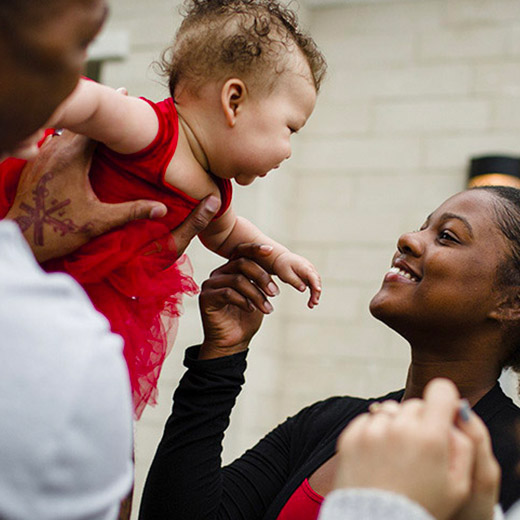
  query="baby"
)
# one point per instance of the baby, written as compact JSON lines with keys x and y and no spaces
{"x":243,"y":78}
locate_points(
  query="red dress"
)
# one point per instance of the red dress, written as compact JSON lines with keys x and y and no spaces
{"x":131,"y":274}
{"x":304,"y":504}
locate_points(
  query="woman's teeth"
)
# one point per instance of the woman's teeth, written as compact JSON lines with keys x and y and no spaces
{"x":400,"y":272}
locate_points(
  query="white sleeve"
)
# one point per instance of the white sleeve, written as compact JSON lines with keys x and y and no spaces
{"x":376,"y":504}
{"x":512,"y":514}
{"x":370,"y":504}
{"x":65,"y":402}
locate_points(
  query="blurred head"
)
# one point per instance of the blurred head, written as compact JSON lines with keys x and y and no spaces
{"x":459,"y":273}
{"x":43,"y":47}
{"x":248,"y":39}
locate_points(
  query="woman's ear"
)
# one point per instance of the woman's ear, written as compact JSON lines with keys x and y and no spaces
{"x":232,"y":97}
{"x":508,"y":308}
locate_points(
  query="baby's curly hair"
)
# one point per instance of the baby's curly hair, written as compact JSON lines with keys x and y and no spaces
{"x":218,"y":38}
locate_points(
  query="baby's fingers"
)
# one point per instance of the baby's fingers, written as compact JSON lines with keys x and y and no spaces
{"x":301,"y":281}
{"x":309,"y":277}
{"x":314,"y":283}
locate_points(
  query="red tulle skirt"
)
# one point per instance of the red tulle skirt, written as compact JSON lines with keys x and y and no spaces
{"x":132,"y":274}
{"x":132,"y":277}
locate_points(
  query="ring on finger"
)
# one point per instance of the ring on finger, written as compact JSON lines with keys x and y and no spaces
{"x":388,"y":407}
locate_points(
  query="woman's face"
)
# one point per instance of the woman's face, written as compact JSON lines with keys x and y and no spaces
{"x":443,"y":277}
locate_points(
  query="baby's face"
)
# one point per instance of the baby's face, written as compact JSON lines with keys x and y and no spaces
{"x":261,"y":138}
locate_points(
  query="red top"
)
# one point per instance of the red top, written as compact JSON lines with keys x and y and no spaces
{"x":130,"y":273}
{"x":304,"y":504}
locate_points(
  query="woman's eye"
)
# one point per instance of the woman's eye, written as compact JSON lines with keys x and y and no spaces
{"x":445,"y":235}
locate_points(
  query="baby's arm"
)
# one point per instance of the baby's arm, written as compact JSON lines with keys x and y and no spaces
{"x":125,"y":124}
{"x":224,"y":234}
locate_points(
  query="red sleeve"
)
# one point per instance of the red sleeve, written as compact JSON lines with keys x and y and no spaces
{"x":226,"y":194}
{"x":151,"y":162}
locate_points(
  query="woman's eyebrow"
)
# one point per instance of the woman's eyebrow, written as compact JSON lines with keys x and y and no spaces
{"x":450,"y":216}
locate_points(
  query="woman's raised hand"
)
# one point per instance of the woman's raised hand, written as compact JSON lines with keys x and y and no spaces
{"x":233,"y":302}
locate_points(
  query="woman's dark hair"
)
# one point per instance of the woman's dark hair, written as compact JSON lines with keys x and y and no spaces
{"x":227,"y":37}
{"x":507,"y":214}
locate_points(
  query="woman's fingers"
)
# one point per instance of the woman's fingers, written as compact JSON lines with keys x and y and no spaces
{"x":486,"y":469}
{"x":218,"y":298}
{"x":251,"y":270}
{"x":243,"y":277}
{"x":442,"y":401}
{"x":235,"y":289}
{"x":460,"y":464}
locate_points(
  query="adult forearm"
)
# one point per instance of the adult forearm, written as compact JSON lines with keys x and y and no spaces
{"x":185,"y":479}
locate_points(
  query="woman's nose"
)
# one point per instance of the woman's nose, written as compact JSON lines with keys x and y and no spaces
{"x":410,"y":243}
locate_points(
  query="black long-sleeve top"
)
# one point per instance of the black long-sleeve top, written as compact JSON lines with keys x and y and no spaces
{"x":186,"y":480}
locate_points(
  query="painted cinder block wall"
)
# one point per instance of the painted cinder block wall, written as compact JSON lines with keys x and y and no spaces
{"x":414,"y":89}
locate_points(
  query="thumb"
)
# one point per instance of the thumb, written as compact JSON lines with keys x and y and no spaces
{"x":119,"y":214}
{"x":461,"y":465}
{"x":486,"y":470}
{"x":196,"y":222}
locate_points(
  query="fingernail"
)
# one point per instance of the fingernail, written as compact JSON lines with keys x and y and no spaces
{"x":266,"y":248}
{"x":268,"y":307}
{"x":273,"y":289}
{"x":157,"y":212}
{"x":464,"y":410}
{"x":212,"y":203}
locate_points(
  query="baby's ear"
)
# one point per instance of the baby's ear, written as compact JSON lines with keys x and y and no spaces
{"x":232,"y":96}
{"x":508,"y":308}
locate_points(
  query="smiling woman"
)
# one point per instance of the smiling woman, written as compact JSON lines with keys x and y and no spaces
{"x":452,"y":291}
{"x":457,"y":278}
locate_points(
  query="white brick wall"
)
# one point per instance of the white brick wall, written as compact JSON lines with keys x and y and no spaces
{"x":414,"y":89}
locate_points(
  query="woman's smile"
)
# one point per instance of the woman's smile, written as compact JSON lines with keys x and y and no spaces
{"x":401,"y":272}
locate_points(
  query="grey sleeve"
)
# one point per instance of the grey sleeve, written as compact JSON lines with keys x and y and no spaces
{"x":65,"y":401}
{"x":376,"y":504}
{"x":370,"y":504}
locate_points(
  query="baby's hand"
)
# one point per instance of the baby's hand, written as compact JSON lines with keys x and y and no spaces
{"x":300,"y":273}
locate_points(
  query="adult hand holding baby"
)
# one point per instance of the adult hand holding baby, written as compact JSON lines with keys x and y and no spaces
{"x":58,"y":211}
{"x":55,"y":205}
